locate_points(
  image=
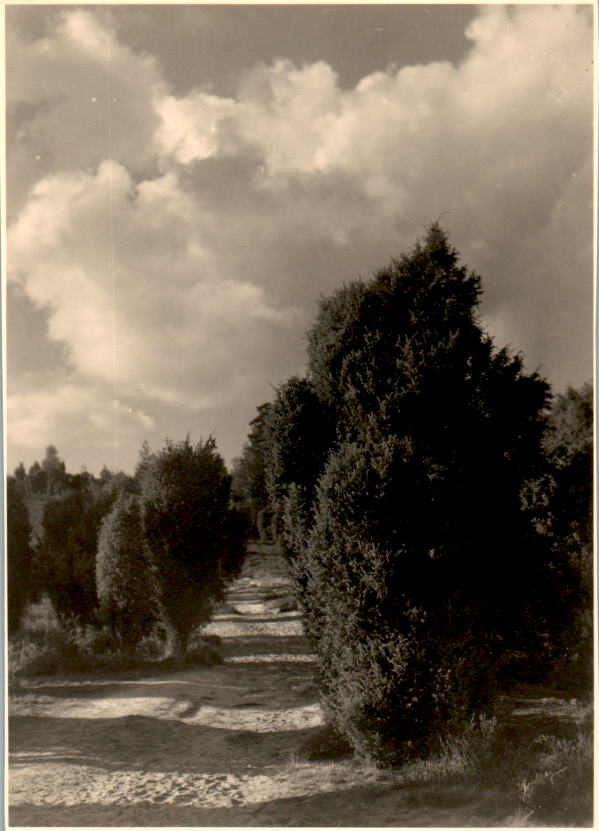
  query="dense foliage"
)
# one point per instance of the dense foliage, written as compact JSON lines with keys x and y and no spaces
{"x":194,"y":539}
{"x":102,"y":567}
{"x":248,"y":486}
{"x":123,"y":578}
{"x":298,"y":434}
{"x":19,"y":554}
{"x":568,"y":518}
{"x":397,"y":468}
{"x":67,"y":556}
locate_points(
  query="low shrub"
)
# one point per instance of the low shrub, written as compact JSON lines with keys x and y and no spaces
{"x":38,"y":620}
{"x":55,"y":653}
{"x":203,"y":650}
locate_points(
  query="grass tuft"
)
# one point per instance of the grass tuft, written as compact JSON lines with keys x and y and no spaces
{"x":558,"y":789}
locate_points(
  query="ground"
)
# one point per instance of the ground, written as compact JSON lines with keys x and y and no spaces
{"x":209,"y":746}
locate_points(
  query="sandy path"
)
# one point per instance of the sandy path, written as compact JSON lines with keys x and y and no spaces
{"x":203,"y":737}
{"x":206,"y":746}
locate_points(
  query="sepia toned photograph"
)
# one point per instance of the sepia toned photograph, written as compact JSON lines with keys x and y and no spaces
{"x":298,"y":415}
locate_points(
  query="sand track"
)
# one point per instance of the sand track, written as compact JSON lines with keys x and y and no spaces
{"x":209,"y":746}
{"x":205,"y":737}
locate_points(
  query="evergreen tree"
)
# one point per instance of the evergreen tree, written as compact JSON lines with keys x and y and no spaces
{"x":193,"y":538}
{"x":67,"y":556}
{"x":298,"y":436}
{"x":54,"y":468}
{"x":413,"y":559}
{"x":37,"y":479}
{"x":18,"y":555}
{"x":248,"y":485}
{"x":123,"y":580}
{"x":20,"y":476}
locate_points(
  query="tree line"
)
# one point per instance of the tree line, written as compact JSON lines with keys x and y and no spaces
{"x":434,"y":500}
{"x":127,"y":553}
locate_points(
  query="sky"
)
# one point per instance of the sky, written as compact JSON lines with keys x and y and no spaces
{"x":185,"y":182}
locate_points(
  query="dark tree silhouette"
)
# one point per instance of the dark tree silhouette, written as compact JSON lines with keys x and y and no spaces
{"x":248,"y":487}
{"x":54,"y":468}
{"x":18,"y":555}
{"x":67,"y":549}
{"x":569,"y":519}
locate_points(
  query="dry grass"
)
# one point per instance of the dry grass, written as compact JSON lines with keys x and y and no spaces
{"x":498,"y":765}
{"x":45,"y":647}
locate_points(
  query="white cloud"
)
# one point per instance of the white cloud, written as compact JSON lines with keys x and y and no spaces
{"x":493,"y":143}
{"x":80,"y":97}
{"x":525,"y":75}
{"x":134,"y":294}
{"x":188,"y":128}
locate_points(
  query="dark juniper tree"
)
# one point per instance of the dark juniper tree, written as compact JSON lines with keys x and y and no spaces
{"x":413,"y":559}
{"x":66,"y":553}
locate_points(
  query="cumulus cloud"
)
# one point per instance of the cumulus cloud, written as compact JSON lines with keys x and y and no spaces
{"x":187,"y":267}
{"x":494,"y":143}
{"x":522,"y":76}
{"x":135,"y":294}
{"x":78,"y":97}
